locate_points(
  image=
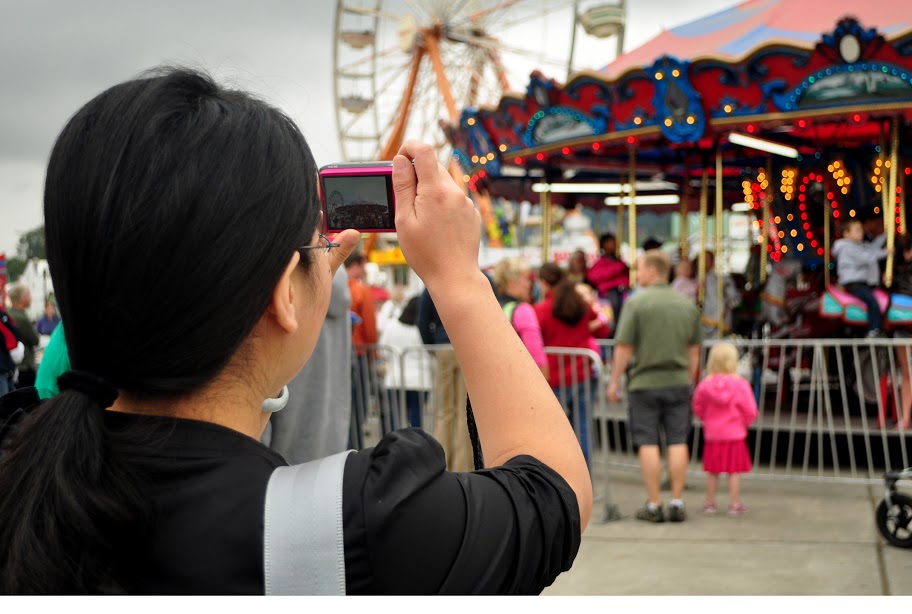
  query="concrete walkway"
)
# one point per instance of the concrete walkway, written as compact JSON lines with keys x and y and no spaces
{"x":800,"y":538}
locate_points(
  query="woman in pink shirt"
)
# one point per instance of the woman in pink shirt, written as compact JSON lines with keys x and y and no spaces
{"x":513,"y":285}
{"x":725,"y":403}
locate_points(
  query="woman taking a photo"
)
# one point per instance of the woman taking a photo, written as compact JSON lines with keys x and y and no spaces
{"x":183,"y":236}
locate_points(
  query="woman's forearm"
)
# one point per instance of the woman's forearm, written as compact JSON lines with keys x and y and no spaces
{"x":515,"y":410}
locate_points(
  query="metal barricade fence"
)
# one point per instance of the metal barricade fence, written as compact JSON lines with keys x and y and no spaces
{"x":384,"y":380}
{"x":826,"y":406}
{"x":422,"y":387}
{"x":829,"y":409}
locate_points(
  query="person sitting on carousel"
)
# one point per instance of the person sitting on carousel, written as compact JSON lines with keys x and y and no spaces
{"x":609,"y":275}
{"x":858,"y":269}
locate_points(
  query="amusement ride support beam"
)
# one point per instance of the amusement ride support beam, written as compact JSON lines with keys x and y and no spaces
{"x":632,"y":218}
{"x":891,"y":227}
{"x":620,"y":231}
{"x":545,"y":201}
{"x":394,"y":142}
{"x":701,"y":257}
{"x":826,"y":250}
{"x":767,"y":211}
{"x":886,"y":202}
{"x":718,"y":252}
{"x":432,"y":42}
{"x":903,"y":229}
{"x":397,"y":134}
{"x":499,"y":68}
{"x":683,"y":246}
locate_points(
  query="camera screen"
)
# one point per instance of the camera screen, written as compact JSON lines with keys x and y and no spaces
{"x":363,"y":203}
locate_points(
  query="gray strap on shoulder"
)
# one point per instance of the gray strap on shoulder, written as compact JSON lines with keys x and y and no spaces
{"x":303,"y":544}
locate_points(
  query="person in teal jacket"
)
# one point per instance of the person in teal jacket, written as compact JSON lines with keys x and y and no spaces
{"x":54,"y":363}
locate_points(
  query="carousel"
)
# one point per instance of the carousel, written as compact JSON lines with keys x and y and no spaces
{"x":796,"y":113}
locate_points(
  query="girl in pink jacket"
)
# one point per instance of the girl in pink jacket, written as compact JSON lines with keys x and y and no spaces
{"x":725,"y":403}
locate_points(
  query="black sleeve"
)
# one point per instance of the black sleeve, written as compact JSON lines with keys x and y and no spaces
{"x":413,"y":528}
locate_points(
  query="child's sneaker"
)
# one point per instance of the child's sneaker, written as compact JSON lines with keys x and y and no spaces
{"x":709,"y":508}
{"x":737,"y":509}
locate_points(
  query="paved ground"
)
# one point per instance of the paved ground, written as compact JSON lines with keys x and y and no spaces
{"x":800,"y":538}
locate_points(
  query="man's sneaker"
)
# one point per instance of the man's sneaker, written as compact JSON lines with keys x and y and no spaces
{"x":676,"y":513}
{"x":737,"y":509}
{"x":650,"y":515}
{"x":709,"y":508}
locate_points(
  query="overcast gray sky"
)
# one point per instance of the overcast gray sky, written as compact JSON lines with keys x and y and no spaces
{"x":57,"y":54}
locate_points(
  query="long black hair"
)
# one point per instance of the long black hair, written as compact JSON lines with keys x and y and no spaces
{"x":172,"y":207}
{"x":568,"y":305}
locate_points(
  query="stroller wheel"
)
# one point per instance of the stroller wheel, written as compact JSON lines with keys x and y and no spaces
{"x":894,"y":521}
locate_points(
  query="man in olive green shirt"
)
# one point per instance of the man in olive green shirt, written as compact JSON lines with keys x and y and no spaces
{"x":21,"y":299}
{"x":659,"y":337}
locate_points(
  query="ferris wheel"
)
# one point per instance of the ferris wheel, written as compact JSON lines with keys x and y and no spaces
{"x":401,"y":66}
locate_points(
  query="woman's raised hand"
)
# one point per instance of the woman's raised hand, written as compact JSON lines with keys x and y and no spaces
{"x":438,"y":227}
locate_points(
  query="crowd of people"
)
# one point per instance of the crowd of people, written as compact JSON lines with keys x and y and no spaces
{"x":23,"y":338}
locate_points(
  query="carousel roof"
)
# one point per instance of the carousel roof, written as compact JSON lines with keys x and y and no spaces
{"x":731,"y":34}
{"x":829,"y":81}
{"x":838,"y":89}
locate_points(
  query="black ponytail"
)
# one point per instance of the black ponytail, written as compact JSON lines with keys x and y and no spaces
{"x":172,"y":208}
{"x":71,"y":509}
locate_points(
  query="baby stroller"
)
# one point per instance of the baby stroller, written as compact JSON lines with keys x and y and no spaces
{"x":894,"y":514}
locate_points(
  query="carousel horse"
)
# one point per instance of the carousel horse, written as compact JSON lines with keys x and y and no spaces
{"x":837,"y":303}
{"x":897,"y":310}
{"x":785,"y":316}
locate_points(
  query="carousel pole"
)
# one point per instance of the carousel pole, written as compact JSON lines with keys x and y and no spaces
{"x":545,"y":201}
{"x":903,"y":229}
{"x":826,"y":251}
{"x":685,"y":205}
{"x":620,"y":230}
{"x":885,"y":201}
{"x":631,"y":219}
{"x":891,"y":226}
{"x":764,"y":225}
{"x":718,"y":255}
{"x":701,"y":257}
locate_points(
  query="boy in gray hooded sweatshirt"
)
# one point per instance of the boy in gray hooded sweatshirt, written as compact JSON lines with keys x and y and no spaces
{"x":858,"y":270}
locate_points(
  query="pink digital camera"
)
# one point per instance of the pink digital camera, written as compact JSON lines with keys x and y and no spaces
{"x":358,"y":195}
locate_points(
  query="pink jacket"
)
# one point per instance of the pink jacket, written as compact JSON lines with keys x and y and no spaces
{"x":726,"y":405}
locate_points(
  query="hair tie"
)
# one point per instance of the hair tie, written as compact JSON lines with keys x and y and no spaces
{"x":94,"y":387}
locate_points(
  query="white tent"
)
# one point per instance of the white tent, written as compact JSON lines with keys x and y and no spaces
{"x":38,"y":279}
